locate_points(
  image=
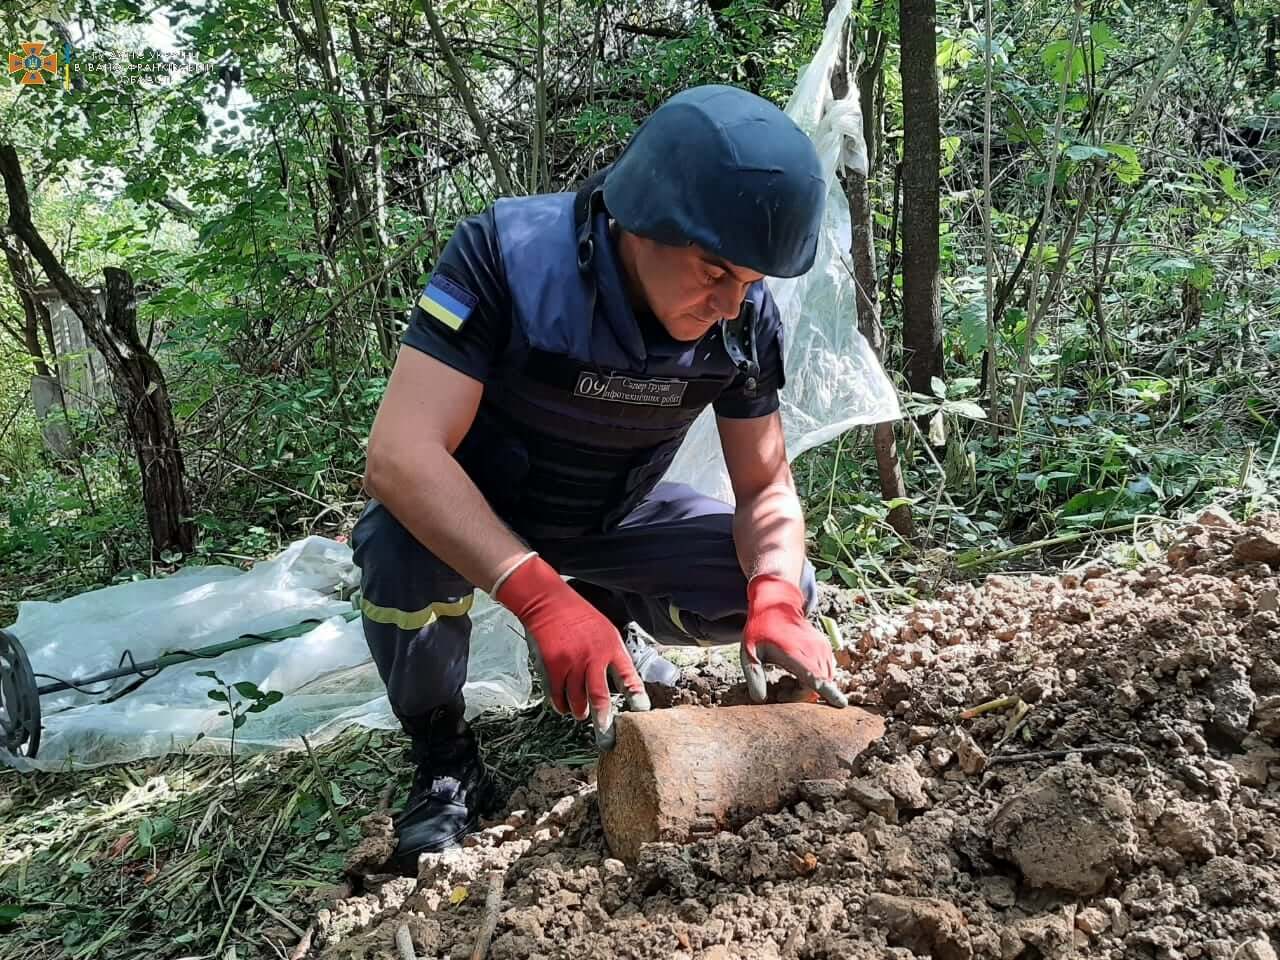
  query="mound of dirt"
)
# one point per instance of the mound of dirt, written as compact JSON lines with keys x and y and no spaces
{"x":1116,"y":794}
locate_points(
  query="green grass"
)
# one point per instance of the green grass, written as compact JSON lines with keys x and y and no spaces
{"x":149,"y":859}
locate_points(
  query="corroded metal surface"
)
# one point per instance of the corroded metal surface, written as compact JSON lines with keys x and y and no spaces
{"x":689,"y":772}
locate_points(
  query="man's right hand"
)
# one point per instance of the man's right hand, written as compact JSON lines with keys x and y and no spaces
{"x":575,"y":647}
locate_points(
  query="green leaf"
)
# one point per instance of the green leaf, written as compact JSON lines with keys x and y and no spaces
{"x":1172,"y":267}
{"x":247,"y":689}
{"x":1055,"y":61}
{"x":1085,"y":151}
{"x":10,"y":912}
{"x":338,"y":798}
{"x":239,"y":721}
{"x":965,"y":408}
{"x":217,"y":695}
{"x":939,"y":388}
{"x":1125,"y":152}
{"x":151,"y":829}
{"x":1088,"y":502}
{"x":1201,"y":276}
{"x":208,"y":673}
{"x":1227,"y":177}
{"x":1102,"y":36}
{"x":266,"y":700}
{"x":1127,"y":168}
{"x":973,"y":327}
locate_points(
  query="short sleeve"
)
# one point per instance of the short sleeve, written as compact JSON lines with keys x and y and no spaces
{"x":463,"y":315}
{"x":734,"y":401}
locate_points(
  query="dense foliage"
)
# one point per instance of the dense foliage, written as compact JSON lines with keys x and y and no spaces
{"x":278,"y":178}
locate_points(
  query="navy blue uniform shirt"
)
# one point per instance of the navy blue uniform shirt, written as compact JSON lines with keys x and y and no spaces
{"x":471,"y":259}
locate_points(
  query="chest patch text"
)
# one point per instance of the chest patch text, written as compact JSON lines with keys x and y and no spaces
{"x":617,"y":388}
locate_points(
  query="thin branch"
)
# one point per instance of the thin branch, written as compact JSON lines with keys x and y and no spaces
{"x":492,"y":902}
{"x":993,"y":367}
{"x":253,"y":875}
{"x":662,"y":33}
{"x":468,"y":101}
{"x":375,"y":278}
{"x":176,"y":206}
{"x":1033,"y":301}
{"x":1167,"y":62}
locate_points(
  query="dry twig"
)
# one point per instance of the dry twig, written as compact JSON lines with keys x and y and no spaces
{"x":490,"y":922}
{"x":404,"y":943}
{"x":1127,"y":751}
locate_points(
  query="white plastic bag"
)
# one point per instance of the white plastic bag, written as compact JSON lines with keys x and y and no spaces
{"x":834,"y":380}
{"x":326,"y":675}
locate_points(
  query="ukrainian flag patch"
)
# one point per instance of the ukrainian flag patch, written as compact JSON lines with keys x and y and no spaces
{"x":448,"y":302}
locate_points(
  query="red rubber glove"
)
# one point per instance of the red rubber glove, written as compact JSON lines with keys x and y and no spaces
{"x":778,"y":633}
{"x":574,"y":646}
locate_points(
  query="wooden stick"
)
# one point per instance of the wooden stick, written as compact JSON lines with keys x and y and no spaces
{"x":271,"y":911}
{"x":1028,"y":547}
{"x":1124,"y":750}
{"x":490,"y":921}
{"x":304,"y":945}
{"x":1002,"y":704}
{"x":404,"y":943}
{"x":325,"y":790}
{"x":253,"y":874}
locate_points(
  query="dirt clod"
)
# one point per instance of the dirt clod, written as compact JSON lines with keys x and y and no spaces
{"x":1071,"y":830}
{"x":933,"y":928}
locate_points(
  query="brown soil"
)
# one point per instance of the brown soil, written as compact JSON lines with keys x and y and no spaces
{"x":1123,"y":802}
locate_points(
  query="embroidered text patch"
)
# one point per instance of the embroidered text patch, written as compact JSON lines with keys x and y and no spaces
{"x":617,"y":388}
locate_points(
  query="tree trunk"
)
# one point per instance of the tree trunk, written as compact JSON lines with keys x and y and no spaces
{"x":922,"y":326}
{"x":862,"y":250}
{"x":136,"y":378}
{"x":141,"y":385}
{"x":34,"y":314}
{"x":864,"y":267}
{"x":384,"y":318}
{"x":1273,"y":47}
{"x":463,"y":88}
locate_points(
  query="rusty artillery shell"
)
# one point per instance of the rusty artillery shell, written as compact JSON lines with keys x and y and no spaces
{"x":689,"y":772}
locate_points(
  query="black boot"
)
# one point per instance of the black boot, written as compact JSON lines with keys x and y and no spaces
{"x":450,"y":786}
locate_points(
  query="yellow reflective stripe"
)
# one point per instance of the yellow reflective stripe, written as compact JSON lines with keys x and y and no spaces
{"x":418,"y":618}
{"x":674,"y":611}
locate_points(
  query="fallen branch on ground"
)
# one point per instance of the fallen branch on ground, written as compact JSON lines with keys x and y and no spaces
{"x":1124,"y":750}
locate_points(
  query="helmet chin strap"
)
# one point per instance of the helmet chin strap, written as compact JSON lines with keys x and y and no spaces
{"x":740,"y":342}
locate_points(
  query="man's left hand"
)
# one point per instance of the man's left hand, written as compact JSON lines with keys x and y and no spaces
{"x":777,"y":633}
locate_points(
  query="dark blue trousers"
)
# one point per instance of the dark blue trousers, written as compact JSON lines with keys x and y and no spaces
{"x":670,"y":566}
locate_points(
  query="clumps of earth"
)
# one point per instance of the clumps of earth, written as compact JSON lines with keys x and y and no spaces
{"x":1113,"y":790}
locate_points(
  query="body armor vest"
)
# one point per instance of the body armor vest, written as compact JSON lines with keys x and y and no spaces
{"x":581,"y":417}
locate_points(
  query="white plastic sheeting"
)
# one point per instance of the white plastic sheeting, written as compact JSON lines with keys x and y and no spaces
{"x":326,"y":676}
{"x":834,"y":382}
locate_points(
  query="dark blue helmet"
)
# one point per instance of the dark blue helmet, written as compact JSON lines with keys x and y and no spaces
{"x":727,"y":170}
